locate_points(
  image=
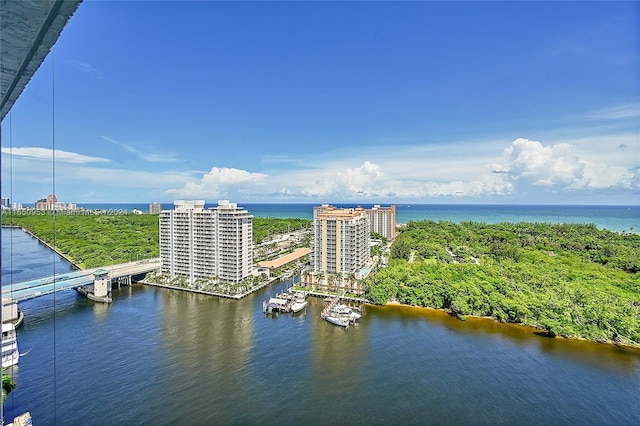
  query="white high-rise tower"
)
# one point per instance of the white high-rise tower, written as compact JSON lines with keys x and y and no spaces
{"x":206,"y":243}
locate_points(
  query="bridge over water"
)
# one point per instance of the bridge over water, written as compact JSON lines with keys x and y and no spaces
{"x":47,"y":285}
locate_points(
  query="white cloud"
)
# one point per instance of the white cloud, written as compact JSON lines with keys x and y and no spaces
{"x":280,"y":159}
{"x":46,"y":154}
{"x":482,"y":186}
{"x":364,"y":180}
{"x":621,"y":149}
{"x":600,"y":175}
{"x":543,"y":165}
{"x":493,"y":169}
{"x":619,"y":112}
{"x":370,"y":181}
{"x":150,"y":156}
{"x":463,"y":170}
{"x":558,"y":166}
{"x":218,"y":182}
{"x":84,"y":68}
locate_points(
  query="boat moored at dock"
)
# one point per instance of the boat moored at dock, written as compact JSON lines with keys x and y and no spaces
{"x":341,"y":321}
{"x":286,"y":302}
{"x":275,"y":304}
{"x":299,"y":303}
{"x":340,"y":314}
{"x":10,"y":354}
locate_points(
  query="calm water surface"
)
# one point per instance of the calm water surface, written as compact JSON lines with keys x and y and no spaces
{"x":162,"y":357}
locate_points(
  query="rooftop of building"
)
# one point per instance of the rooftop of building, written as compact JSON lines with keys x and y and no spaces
{"x":276,"y":263}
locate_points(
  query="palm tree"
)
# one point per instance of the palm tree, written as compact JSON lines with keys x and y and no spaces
{"x":306,"y":274}
{"x":340,"y":280}
{"x":320,"y":276}
{"x":296,"y":271}
{"x":331,"y":281}
{"x":351,"y":276}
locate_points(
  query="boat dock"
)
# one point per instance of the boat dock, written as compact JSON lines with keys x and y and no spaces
{"x":339,"y":313}
{"x":286,"y":302}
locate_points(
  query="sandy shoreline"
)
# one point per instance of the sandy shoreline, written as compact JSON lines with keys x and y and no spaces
{"x":534,"y":329}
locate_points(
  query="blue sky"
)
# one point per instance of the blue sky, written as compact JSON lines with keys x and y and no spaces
{"x":371,"y":102}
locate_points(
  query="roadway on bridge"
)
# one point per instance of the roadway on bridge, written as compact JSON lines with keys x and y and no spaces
{"x":47,"y":285}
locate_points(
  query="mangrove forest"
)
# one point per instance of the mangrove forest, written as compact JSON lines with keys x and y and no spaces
{"x":568,"y":280}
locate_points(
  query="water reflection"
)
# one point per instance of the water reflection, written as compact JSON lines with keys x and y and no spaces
{"x":204,"y":325}
{"x":208,"y":342}
{"x":338,"y":365}
{"x":100,"y":310}
{"x":615,"y":359}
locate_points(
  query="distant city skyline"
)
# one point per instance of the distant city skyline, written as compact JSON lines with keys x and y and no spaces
{"x":334,"y":102}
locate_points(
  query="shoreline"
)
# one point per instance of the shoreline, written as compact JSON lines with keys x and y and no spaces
{"x":31,"y":234}
{"x":535,"y":330}
{"x":211,"y":293}
{"x":541,"y":332}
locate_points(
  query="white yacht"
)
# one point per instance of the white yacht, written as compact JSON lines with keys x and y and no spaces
{"x":10,"y":354}
{"x":299,"y":303}
{"x":342,"y":322}
{"x":346,"y":312}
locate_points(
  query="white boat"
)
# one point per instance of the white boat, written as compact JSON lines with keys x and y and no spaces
{"x":10,"y":354}
{"x":341,"y":309}
{"x":342,"y":322}
{"x":299,"y":304}
{"x":345,"y":311}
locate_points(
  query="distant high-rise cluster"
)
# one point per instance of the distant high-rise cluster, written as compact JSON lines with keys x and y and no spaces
{"x":52,"y":203}
{"x":213,"y":243}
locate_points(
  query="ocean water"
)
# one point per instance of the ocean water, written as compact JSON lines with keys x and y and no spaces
{"x":613,"y":218}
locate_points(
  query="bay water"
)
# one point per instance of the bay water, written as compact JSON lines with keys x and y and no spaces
{"x":157,"y":356}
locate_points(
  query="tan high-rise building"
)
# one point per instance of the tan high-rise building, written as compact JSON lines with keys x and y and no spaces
{"x":155,"y":208}
{"x":206,"y":243}
{"x":340,"y":243}
{"x":383,"y":221}
{"x":52,"y":203}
